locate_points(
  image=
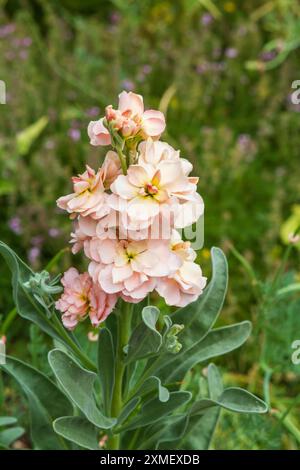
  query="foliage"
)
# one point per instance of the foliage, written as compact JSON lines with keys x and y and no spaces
{"x":76,"y":410}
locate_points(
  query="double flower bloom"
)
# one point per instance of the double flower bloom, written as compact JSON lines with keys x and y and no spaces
{"x":127,"y":224}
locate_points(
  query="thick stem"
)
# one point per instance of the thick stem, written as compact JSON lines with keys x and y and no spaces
{"x":124,"y":330}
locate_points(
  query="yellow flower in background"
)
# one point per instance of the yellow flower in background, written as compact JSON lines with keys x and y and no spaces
{"x":205,"y":253}
{"x":229,"y":7}
{"x":289,"y":227}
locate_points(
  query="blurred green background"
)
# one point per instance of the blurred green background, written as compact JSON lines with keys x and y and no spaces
{"x":222,"y":72}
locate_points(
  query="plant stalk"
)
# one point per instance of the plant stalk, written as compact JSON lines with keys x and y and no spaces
{"x":123,"y":332}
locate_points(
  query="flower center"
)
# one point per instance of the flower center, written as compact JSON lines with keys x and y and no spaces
{"x":151,"y":189}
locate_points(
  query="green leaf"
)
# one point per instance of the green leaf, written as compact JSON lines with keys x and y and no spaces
{"x":27,"y":137}
{"x":10,"y":435}
{"x":106,"y":366}
{"x":153,"y":383}
{"x":215,"y":383}
{"x":46,"y":402}
{"x":145,"y":339}
{"x":128,"y":409}
{"x":164,"y":433}
{"x":241,"y":401}
{"x":218,"y":342}
{"x":7,"y":420}
{"x":78,"y":384}
{"x":154,"y":409}
{"x":26,"y":305}
{"x":202,"y":438}
{"x":78,"y":430}
{"x":6,"y":187}
{"x":200,"y":430}
{"x":199,"y":317}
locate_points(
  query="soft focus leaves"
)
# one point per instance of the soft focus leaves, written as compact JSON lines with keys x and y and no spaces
{"x":27,"y":137}
{"x":289,"y":227}
{"x":10,"y":435}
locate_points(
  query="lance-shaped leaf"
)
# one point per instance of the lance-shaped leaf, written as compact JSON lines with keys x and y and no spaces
{"x":78,"y":430}
{"x":218,"y":342}
{"x":154,"y":409}
{"x":232,"y":399}
{"x":78,"y":384}
{"x":199,"y":317}
{"x":26,"y":304}
{"x":106,"y":366}
{"x":145,"y":339}
{"x":46,"y":402}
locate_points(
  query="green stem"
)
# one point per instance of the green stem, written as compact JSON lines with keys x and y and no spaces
{"x":79,"y":353}
{"x":122,"y":160}
{"x":124,"y":330}
{"x":8,"y":320}
{"x":145,"y":376}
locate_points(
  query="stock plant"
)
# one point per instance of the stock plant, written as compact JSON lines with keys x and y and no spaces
{"x":128,"y":216}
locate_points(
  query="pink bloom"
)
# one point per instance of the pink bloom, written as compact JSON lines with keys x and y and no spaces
{"x":101,"y":305}
{"x":131,"y":267}
{"x":84,"y":230}
{"x":130,"y":119}
{"x":146,"y":187}
{"x":88,"y":197}
{"x":184,"y":287}
{"x":111,"y":168}
{"x":188,"y":205}
{"x":81,"y":298}
{"x":74,"y":302}
{"x":187,"y":283}
{"x":160,"y":178}
{"x":98,"y":133}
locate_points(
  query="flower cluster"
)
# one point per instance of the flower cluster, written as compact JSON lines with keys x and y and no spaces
{"x":126,"y":218}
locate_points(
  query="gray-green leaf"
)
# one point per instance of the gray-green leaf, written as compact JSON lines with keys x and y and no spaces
{"x":46,"y":402}
{"x":78,"y":384}
{"x":154,"y":409}
{"x":78,"y":430}
{"x":145,"y":339}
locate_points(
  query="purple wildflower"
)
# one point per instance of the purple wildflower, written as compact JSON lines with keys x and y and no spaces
{"x":15,"y":225}
{"x":74,"y":134}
